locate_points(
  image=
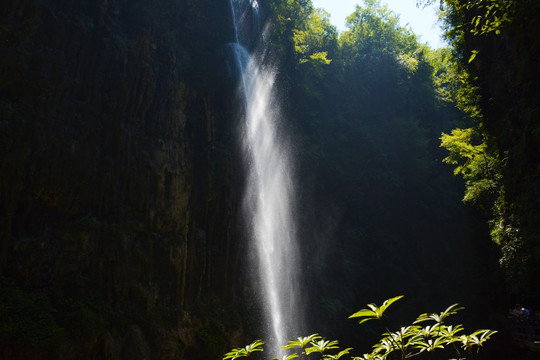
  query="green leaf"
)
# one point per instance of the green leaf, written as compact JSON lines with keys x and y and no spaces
{"x":439,"y":318}
{"x":338,"y":355}
{"x":389,"y":302}
{"x":473,"y":55}
{"x":321,"y":346}
{"x":450,"y":332}
{"x":363,"y":313}
{"x":484,"y":335}
{"x":287,"y":357}
{"x":366,"y":319}
{"x":431,"y":345}
{"x":245,"y":351}
{"x":301,"y":342}
{"x":374,"y":312}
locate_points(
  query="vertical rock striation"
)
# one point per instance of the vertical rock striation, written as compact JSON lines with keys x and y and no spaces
{"x":118,"y":189}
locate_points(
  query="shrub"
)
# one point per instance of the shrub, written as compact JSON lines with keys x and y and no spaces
{"x":427,"y":334}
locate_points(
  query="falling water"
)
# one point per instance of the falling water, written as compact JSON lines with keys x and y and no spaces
{"x":269,"y":196}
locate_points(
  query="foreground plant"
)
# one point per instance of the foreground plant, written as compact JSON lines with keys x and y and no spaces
{"x":405,"y":343}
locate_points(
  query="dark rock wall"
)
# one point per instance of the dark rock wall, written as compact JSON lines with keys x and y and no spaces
{"x":118,"y":183}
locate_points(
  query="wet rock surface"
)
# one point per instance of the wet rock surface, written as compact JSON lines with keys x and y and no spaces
{"x":118,"y":180}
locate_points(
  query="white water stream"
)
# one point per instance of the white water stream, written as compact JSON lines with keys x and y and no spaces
{"x":269,"y":197}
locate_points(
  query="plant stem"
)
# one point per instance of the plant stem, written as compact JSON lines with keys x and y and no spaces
{"x":403,"y":357}
{"x":457,"y":350}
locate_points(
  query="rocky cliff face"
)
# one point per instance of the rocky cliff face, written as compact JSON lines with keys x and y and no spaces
{"x":118,"y":180}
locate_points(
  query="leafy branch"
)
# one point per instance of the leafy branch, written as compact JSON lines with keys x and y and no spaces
{"x":374,"y":312}
{"x":409,"y":341}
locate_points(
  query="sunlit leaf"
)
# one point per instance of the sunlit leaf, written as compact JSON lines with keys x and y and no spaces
{"x":439,"y":317}
{"x":301,"y":342}
{"x":321,"y":346}
{"x":363,"y":313}
{"x":245,"y":351}
{"x":431,"y":345}
{"x":374,"y":312}
{"x":287,"y":357}
{"x":473,"y":55}
{"x":338,"y":355}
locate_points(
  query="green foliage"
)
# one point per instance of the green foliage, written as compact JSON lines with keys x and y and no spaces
{"x":481,"y":170}
{"x":366,"y":131}
{"x":490,"y":80}
{"x":491,"y":16}
{"x":460,"y":145}
{"x":287,"y":357}
{"x":374,"y":31}
{"x":289,"y":15}
{"x":454,"y":84}
{"x":321,"y":346}
{"x":483,"y":17}
{"x":301,"y":342}
{"x":439,"y":317}
{"x":374,"y":312}
{"x":408,"y":342}
{"x":245,"y":351}
{"x":310,"y":42}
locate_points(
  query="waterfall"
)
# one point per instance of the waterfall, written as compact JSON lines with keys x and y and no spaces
{"x":268,"y":201}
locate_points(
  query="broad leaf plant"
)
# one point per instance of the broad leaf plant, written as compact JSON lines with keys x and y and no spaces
{"x":433,"y":335}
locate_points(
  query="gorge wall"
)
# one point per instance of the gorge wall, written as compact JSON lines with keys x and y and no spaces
{"x":118,"y":185}
{"x":120,"y":182}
